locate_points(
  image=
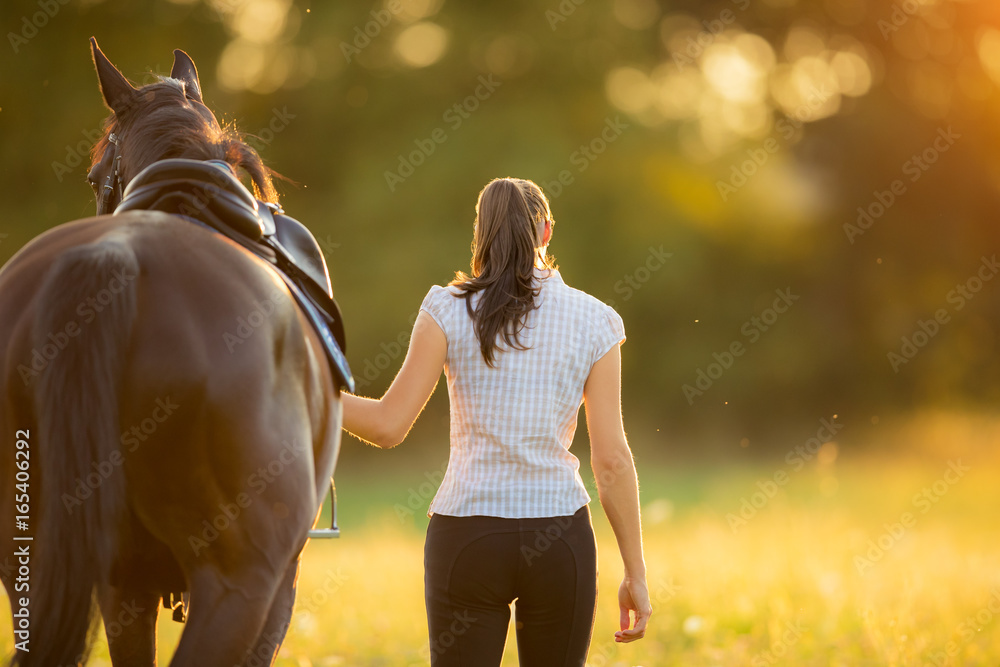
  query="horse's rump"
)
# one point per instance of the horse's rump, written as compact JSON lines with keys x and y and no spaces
{"x":159,"y":368}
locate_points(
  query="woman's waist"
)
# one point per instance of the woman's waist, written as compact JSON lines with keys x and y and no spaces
{"x":512,"y":468}
{"x":500,"y":524}
{"x":526,"y":446}
{"x":511,"y":493}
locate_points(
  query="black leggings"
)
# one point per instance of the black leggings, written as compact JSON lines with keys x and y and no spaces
{"x":474,"y":567}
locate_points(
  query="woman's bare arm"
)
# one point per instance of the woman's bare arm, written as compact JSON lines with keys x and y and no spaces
{"x":618,"y":488}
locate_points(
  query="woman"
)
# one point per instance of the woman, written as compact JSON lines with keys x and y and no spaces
{"x":511,"y":520}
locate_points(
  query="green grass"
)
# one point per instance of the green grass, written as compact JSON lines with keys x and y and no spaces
{"x":720,"y":597}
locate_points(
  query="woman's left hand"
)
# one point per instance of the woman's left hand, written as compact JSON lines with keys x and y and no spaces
{"x":633,"y":601}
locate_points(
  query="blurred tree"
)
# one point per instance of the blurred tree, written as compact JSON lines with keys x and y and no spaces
{"x":739,"y":136}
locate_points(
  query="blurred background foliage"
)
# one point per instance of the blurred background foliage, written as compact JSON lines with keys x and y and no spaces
{"x":818,"y":104}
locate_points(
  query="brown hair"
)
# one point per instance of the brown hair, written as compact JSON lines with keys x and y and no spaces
{"x":506,"y":247}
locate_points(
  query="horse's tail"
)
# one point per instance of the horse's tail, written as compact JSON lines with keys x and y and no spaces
{"x":85,"y":310}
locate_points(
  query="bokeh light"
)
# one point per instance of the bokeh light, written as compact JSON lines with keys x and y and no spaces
{"x":421,"y":44}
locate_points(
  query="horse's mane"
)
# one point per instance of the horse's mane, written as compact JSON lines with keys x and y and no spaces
{"x":164,"y":123}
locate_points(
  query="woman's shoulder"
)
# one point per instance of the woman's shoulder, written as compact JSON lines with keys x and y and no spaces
{"x":585,"y":303}
{"x":441,"y":299}
{"x":443,"y":292}
{"x":602,"y":322}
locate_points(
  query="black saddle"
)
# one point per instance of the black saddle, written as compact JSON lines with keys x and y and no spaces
{"x":207,"y":192}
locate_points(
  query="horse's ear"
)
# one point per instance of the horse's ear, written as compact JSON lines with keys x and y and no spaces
{"x":184,"y":70}
{"x":118,"y":93}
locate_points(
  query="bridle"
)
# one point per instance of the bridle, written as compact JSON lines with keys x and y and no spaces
{"x":113,"y":183}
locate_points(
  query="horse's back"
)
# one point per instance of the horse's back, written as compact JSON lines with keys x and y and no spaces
{"x":219,"y":340}
{"x":195,"y":293}
{"x":213,"y":427}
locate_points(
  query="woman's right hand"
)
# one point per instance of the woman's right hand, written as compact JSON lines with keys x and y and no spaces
{"x":633,"y":601}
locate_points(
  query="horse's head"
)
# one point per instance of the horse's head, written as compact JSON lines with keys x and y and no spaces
{"x":164,"y":119}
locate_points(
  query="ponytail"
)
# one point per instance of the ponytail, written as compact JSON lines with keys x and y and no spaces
{"x":506,"y":248}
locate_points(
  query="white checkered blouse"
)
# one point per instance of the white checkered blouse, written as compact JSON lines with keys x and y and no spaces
{"x":512,"y":425}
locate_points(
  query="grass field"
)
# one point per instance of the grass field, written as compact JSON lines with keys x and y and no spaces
{"x":855,"y":560}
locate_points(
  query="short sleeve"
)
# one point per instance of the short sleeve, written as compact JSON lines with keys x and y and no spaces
{"x":609,"y":331}
{"x":436,"y":306}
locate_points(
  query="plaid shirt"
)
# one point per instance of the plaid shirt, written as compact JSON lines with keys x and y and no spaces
{"x":512,"y":425}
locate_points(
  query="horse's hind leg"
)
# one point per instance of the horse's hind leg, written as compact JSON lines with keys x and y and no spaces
{"x":130,"y":625}
{"x":227,"y":613}
{"x":278,"y":619}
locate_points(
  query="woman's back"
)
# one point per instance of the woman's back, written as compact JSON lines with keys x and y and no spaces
{"x":512,"y":424}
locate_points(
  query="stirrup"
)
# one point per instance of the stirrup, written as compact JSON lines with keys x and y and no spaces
{"x":334,"y":529}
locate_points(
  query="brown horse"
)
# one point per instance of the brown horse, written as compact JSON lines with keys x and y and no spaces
{"x":145,"y":452}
